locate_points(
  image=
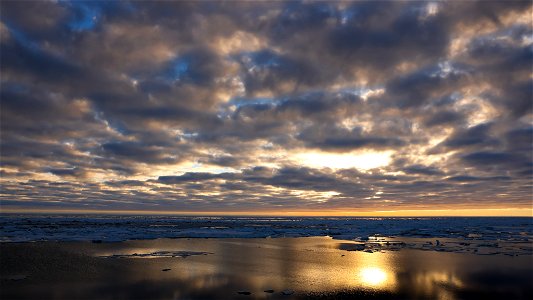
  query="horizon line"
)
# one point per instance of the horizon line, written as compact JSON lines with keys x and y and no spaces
{"x":486,"y":212}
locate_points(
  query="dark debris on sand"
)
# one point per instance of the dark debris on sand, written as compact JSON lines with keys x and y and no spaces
{"x":244,"y":293}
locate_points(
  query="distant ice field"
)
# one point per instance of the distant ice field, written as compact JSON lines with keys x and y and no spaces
{"x":492,"y":235}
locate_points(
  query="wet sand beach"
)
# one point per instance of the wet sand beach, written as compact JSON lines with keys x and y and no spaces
{"x":280,"y":268}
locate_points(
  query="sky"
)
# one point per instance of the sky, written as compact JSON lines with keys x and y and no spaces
{"x":311,"y":108}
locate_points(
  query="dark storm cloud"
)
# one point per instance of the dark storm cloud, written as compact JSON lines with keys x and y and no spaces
{"x":420,"y":87}
{"x":198,"y":66}
{"x":21,"y":56}
{"x":473,"y":136}
{"x":74,"y":172}
{"x":504,"y":61}
{"x":297,"y":178}
{"x":444,"y":117}
{"x":222,"y":160}
{"x":371,"y":30}
{"x":211,"y":105}
{"x":192,"y":177}
{"x":268,"y":71}
{"x":465,"y":178}
{"x":519,"y":139}
{"x":340,"y":138}
{"x":418,"y":169}
{"x":129,"y":149}
{"x":493,"y":158}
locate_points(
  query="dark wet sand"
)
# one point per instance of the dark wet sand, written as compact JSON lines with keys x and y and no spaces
{"x":311,"y":267}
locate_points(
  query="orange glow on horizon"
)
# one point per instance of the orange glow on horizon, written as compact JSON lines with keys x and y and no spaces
{"x":490,"y":212}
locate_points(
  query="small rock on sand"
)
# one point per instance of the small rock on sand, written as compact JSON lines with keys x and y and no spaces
{"x":287,"y":292}
{"x":244,"y":293}
{"x":269,"y":291}
{"x":165,"y":270}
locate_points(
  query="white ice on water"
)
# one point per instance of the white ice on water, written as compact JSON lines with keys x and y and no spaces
{"x":509,"y":236}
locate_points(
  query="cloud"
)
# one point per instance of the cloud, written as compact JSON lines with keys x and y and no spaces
{"x":492,"y":158}
{"x":246,"y":106}
{"x":424,"y":170}
{"x":473,"y":136}
{"x":74,"y":172}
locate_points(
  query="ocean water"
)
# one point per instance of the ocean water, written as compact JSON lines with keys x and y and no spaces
{"x":491,"y":235}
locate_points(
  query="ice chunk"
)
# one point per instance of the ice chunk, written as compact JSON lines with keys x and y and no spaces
{"x":287,"y":292}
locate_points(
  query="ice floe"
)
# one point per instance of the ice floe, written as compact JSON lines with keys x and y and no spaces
{"x":508,"y":236}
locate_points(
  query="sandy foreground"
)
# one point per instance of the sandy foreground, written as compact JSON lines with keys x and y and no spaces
{"x":262,"y":268}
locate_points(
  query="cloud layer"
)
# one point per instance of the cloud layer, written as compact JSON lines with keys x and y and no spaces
{"x":242,"y":106}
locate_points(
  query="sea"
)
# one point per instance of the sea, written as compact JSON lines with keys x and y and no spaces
{"x":503,"y":235}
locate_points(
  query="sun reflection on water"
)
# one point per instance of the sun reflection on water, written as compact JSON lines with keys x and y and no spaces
{"x":376,"y":271}
{"x":374,"y":277}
